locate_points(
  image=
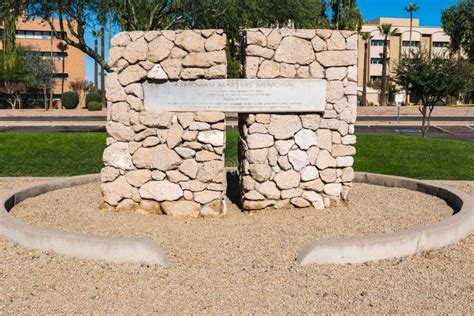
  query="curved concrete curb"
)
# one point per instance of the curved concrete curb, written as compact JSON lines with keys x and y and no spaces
{"x":401,"y":243}
{"x":73,"y":244}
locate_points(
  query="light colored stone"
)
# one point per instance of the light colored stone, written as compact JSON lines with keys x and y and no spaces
{"x":343,"y":150}
{"x":268,"y":70}
{"x":135,"y":89}
{"x":328,"y":175}
{"x":284,"y":126}
{"x":325,"y":160}
{"x":256,"y":38}
{"x":115,"y":53}
{"x":108,"y":174}
{"x":319,"y":44}
{"x":135,"y":35}
{"x":345,"y":161}
{"x":351,"y":42}
{"x":333,"y":189}
{"x":248,"y":183}
{"x":257,"y":155}
{"x":287,"y":70}
{"x":189,"y":167}
{"x":269,"y":190}
{"x":255,"y":141}
{"x":150,"y":207}
{"x":175,"y":134}
{"x":347,"y":174}
{"x":257,"y":128}
{"x":204,"y":60}
{"x":258,"y":51}
{"x":119,"y":131}
{"x":133,"y":147}
{"x":153,"y":119}
{"x":193,"y":185}
{"x":177,"y":53}
{"x":349,"y":140}
{"x":284,"y":146}
{"x":210,"y":117}
{"x":305,"y":138}
{"x":114,"y":192}
{"x":131,"y":74}
{"x":273,"y":157}
{"x":324,"y":139}
{"x":117,"y":155}
{"x":169,"y":34}
{"x":315,"y":185}
{"x":254,"y":196}
{"x":158,"y":175}
{"x":215,"y":138}
{"x":342,"y":58}
{"x":274,"y":39}
{"x":336,"y":73}
{"x":305,"y":33}
{"x":151,"y":141}
{"x":205,"y":155}
{"x":287,"y":179}
{"x":172,"y":67}
{"x":316,"y":70}
{"x":120,"y":113}
{"x":157,"y":73}
{"x":135,"y":51}
{"x":300,"y":202}
{"x":159,"y":157}
{"x":204,"y":197}
{"x":294,"y":50}
{"x":190,"y":41}
{"x":313,"y":153}
{"x":211,"y":171}
{"x":257,"y":205}
{"x":185,"y":118}
{"x":135,"y":103}
{"x":214,"y":209}
{"x":334,"y":91}
{"x":161,"y":191}
{"x":298,"y":159}
{"x":192,"y":73}
{"x":215,"y":42}
{"x":251,"y":67}
{"x":137,"y":178}
{"x":176,"y":176}
{"x":114,"y":90}
{"x":336,"y":138}
{"x":284,"y":163}
{"x":159,"y":49}
{"x":199,"y":126}
{"x":309,"y":173}
{"x":151,"y":35}
{"x":291,"y":193}
{"x":260,"y":172}
{"x":185,"y":153}
{"x":181,"y":208}
{"x":120,"y":39}
{"x":336,"y":42}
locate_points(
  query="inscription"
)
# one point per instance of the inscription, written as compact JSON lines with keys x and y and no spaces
{"x":237,"y":95}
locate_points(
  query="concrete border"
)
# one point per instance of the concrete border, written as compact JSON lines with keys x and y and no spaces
{"x":111,"y":249}
{"x":401,"y":243}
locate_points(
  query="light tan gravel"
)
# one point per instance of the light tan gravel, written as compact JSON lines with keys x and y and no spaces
{"x":242,"y":263}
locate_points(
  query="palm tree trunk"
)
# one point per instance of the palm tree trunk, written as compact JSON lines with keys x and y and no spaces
{"x":102,"y":70}
{"x":364,"y":79}
{"x":96,"y":65}
{"x":383,"y":90}
{"x":407,"y":97}
{"x":51,"y":54}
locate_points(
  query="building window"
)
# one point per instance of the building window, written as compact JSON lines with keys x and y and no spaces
{"x":376,"y":43}
{"x":60,"y":76}
{"x":413,"y":44}
{"x":375,"y":78}
{"x":440,"y":44}
{"x":56,"y":55}
{"x":31,"y":34}
{"x":377,"y":61}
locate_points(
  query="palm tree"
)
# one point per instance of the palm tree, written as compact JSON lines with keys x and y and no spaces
{"x":96,"y":34}
{"x":387,"y":31}
{"x":366,"y":37}
{"x":62,"y":47}
{"x":411,"y":8}
{"x":102,"y":70}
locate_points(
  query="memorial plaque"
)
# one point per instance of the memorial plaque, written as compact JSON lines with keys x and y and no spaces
{"x":237,"y":95}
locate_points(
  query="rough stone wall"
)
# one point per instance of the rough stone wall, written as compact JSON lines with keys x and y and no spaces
{"x":163,"y":162}
{"x":300,"y":159}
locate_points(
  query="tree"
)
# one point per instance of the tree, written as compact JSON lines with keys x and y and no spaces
{"x":96,"y":34}
{"x":345,"y":15}
{"x":458,"y":23}
{"x":63,"y":48}
{"x":81,"y":87}
{"x":366,"y":37}
{"x":13,"y":75}
{"x":39,"y":77}
{"x":387,"y":31}
{"x":411,"y":8}
{"x":431,"y":81}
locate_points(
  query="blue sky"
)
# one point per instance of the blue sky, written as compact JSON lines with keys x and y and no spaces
{"x":429,"y":15}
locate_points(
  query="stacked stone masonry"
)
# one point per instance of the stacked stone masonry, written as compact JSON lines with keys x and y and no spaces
{"x":302,"y":159}
{"x":163,"y":162}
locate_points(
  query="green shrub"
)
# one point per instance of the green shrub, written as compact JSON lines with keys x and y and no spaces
{"x":70,"y":100}
{"x":93,"y":96}
{"x":94,"y":106}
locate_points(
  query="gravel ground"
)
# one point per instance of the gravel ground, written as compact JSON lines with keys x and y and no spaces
{"x":242,"y":263}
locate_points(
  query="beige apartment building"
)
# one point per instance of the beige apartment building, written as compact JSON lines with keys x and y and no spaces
{"x":429,"y":39}
{"x":37,"y":34}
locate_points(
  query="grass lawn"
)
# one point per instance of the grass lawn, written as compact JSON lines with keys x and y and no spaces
{"x":65,"y":154}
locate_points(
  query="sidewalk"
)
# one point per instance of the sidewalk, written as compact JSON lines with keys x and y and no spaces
{"x":413,"y":111}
